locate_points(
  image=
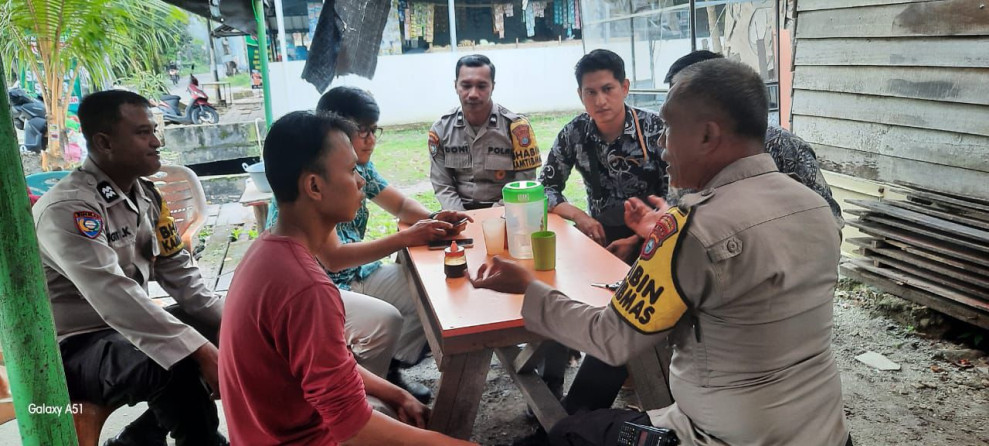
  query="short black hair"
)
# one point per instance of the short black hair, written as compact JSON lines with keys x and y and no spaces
{"x":688,"y":60}
{"x":474,"y":61}
{"x":598,"y":60}
{"x":730,"y":87}
{"x":295,"y":144}
{"x":100,"y":111}
{"x":352,"y":103}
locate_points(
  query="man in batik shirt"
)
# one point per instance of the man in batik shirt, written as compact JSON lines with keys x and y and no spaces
{"x":613,"y":146}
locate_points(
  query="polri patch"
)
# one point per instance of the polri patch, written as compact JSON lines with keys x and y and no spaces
{"x":89,"y":223}
{"x":523,"y":134}
{"x":106,"y":191}
{"x":665,"y":228}
{"x":525,"y":152}
{"x":434,"y":142}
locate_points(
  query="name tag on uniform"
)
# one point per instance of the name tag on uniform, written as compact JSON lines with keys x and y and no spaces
{"x":123,"y":233}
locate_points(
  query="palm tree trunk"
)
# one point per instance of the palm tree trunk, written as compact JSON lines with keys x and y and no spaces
{"x":53,"y":158}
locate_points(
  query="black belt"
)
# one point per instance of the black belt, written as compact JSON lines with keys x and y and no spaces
{"x":473,"y":206}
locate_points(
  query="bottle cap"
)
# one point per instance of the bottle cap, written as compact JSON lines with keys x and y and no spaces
{"x":525,"y":191}
{"x":453,"y":250}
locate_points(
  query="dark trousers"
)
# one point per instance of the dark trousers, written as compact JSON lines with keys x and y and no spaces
{"x":474,"y":206}
{"x":105,"y":368}
{"x":595,"y":386}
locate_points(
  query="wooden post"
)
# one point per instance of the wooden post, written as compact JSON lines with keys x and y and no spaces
{"x":27,"y":332}
{"x":212,"y":58}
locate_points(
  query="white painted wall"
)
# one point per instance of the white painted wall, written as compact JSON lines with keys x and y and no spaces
{"x":413,"y":88}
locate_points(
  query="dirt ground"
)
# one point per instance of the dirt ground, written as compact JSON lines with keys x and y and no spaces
{"x":940,"y":396}
{"x":30,"y":163}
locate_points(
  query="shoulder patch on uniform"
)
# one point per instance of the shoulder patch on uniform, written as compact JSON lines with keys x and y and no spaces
{"x":105,"y":189}
{"x":665,"y":228}
{"x":89,"y":223}
{"x":434,"y":142}
{"x":649,"y":299}
{"x":525,"y":152}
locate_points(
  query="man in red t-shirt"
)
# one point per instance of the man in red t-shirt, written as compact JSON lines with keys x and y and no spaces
{"x":286,"y":374}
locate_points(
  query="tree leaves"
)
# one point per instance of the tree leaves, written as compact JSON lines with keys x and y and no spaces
{"x":104,"y":40}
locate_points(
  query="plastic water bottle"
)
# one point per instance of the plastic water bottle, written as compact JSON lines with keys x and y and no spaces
{"x":525,"y":213}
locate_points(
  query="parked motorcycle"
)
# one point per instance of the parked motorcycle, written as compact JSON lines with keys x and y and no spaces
{"x":199,"y":110}
{"x":29,"y":115}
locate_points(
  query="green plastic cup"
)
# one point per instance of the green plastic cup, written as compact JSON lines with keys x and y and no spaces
{"x":544,"y":250}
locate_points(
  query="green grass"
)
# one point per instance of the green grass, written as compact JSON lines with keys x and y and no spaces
{"x":401,"y":155}
{"x":402,"y":158}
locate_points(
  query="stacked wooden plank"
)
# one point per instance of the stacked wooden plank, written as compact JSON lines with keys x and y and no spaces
{"x":931,"y":248}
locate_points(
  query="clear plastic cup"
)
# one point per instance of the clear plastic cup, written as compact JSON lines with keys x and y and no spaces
{"x":494,"y":235}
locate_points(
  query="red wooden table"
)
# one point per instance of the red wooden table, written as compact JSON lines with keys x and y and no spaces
{"x":464,"y":326}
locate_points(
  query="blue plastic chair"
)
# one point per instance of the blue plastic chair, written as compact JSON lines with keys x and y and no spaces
{"x":39,"y":183}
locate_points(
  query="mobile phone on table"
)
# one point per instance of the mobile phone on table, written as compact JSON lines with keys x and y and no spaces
{"x":442,"y":244}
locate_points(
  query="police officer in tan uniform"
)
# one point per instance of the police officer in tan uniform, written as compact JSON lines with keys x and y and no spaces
{"x":477,"y":148}
{"x":104,"y":232}
{"x":739,"y":278}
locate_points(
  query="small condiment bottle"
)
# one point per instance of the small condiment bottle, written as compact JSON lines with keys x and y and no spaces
{"x":454,"y":261}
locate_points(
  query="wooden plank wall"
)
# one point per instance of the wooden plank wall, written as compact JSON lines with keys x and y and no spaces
{"x":896,"y":90}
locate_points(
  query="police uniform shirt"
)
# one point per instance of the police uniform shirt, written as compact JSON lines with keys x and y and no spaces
{"x":468,"y":169}
{"x":739,"y":279}
{"x":612,"y":171}
{"x":99,"y":250}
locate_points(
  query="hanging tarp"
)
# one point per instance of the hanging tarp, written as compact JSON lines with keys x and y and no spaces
{"x":346,"y":41}
{"x":237,"y":14}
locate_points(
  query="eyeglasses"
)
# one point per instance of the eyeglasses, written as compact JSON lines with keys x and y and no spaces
{"x":366,"y":132}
